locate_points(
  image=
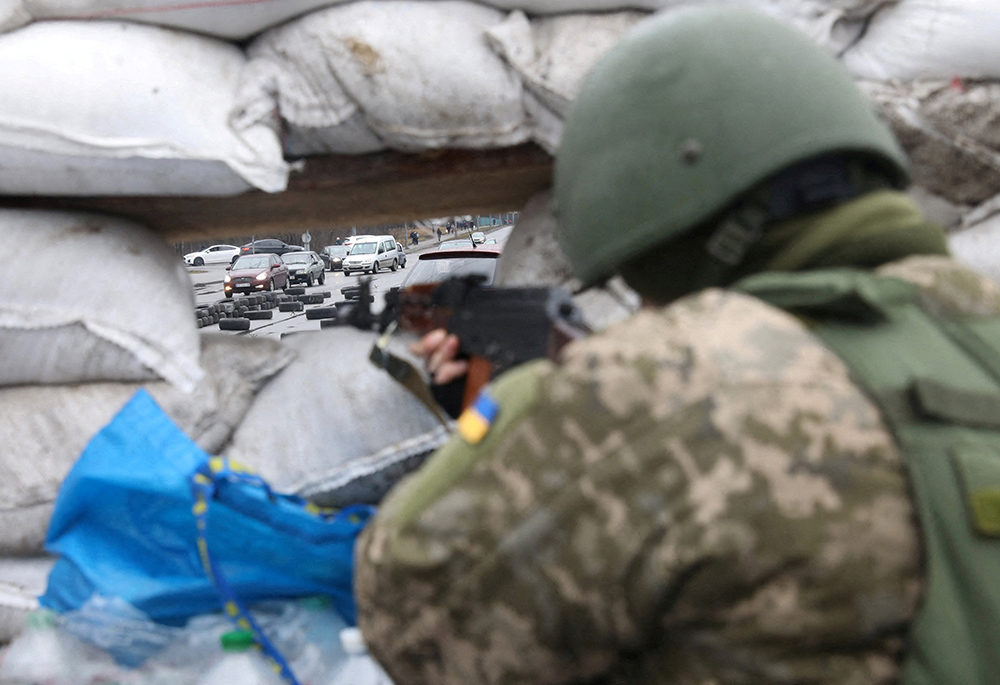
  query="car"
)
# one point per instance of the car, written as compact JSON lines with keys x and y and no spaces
{"x":255,"y":272}
{"x":333,"y":256}
{"x":268,"y":245}
{"x":438,"y":265}
{"x":305,"y":267}
{"x":380,"y":252}
{"x":402,"y":255}
{"x":216,"y":254}
{"x":478,"y":237}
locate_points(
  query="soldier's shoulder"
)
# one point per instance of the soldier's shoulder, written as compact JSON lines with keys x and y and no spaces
{"x":712,"y":338}
{"x":947,"y":287}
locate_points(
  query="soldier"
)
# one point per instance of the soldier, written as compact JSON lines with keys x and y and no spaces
{"x":782,"y":470}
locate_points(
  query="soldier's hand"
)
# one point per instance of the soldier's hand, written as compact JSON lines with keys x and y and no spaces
{"x":439,"y":350}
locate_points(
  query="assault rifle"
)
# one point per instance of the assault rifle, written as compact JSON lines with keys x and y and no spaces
{"x":497,"y":328}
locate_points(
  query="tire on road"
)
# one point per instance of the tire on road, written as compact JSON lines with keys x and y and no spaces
{"x":262,"y":314}
{"x":240,"y":324}
{"x":321,"y":313}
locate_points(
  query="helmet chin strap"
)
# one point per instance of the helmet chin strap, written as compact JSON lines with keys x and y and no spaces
{"x":805,"y":187}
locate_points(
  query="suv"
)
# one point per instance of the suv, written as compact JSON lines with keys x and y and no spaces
{"x":268,"y":245}
{"x":379,"y":252}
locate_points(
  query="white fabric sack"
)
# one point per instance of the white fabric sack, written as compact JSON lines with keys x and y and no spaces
{"x":949,"y":134}
{"x":416,"y":75}
{"x":241,"y":19}
{"x":929,"y":39}
{"x":552,"y":55}
{"x":44,"y":429}
{"x":233,"y":19}
{"x":85,"y":297}
{"x":332,"y":427}
{"x":115,"y":108}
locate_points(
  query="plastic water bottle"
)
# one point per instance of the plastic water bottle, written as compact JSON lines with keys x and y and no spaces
{"x":241,"y":663}
{"x":360,"y":668}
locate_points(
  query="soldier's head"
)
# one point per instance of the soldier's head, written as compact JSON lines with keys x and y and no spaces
{"x":700,"y":130}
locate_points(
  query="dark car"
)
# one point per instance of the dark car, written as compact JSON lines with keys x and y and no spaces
{"x":437,"y":265}
{"x":268,"y":245}
{"x":255,"y":272}
{"x":304,"y":267}
{"x":333,"y":256}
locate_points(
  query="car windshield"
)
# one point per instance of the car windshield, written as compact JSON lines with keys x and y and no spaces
{"x":337,"y":251}
{"x":364,"y":248}
{"x":437,"y":270}
{"x":296,"y":258}
{"x":452,"y":244}
{"x":252,"y":262}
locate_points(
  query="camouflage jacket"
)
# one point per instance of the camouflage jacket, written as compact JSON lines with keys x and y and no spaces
{"x":697,"y":495}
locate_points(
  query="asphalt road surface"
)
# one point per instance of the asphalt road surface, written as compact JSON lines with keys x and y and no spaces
{"x":207,"y":283}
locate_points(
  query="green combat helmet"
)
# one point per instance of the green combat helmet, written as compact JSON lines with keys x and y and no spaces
{"x":689,"y":112}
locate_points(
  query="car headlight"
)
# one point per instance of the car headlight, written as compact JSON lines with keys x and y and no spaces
{"x":227,"y":279}
{"x":262,"y":276}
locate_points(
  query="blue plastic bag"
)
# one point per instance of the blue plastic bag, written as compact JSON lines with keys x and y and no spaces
{"x":125,"y":525}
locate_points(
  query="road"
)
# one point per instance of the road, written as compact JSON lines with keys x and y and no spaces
{"x":207,"y":283}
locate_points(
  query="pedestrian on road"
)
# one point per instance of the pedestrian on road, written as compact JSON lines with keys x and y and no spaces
{"x":782,"y":470}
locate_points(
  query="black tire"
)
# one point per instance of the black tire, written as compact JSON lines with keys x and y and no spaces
{"x":198,"y":261}
{"x":322,"y":278}
{"x":311,"y":299}
{"x":309,"y":281}
{"x":228,"y":294}
{"x":241,"y":324}
{"x":296,"y":291}
{"x":375,"y":267}
{"x":328,"y":323}
{"x":290,"y":307}
{"x":270,"y":285}
{"x":321,"y":313}
{"x":394,"y":265}
{"x":262,"y":314}
{"x":346,"y":272}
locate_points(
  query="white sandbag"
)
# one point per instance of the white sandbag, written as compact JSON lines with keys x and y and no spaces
{"x":319,"y":118}
{"x":240,"y":19}
{"x":929,"y":39}
{"x":552,"y":56}
{"x":43,"y":429}
{"x":332,"y":427}
{"x":419,"y":73}
{"x":85,"y":297}
{"x":233,"y":19}
{"x":949,"y":133}
{"x":115,"y":108}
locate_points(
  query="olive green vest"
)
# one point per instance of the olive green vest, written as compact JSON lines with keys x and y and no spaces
{"x":937,"y":382}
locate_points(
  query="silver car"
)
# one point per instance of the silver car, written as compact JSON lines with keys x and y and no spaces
{"x":305,"y":267}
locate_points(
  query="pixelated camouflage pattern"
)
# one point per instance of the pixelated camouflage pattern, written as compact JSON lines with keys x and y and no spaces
{"x":697,"y":495}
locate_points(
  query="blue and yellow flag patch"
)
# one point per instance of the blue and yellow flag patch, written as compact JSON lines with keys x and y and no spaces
{"x":475,"y":421}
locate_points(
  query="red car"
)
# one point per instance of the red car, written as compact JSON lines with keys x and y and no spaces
{"x":256,"y":272}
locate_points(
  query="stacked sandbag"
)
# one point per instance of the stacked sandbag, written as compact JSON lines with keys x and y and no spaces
{"x":374,"y":74}
{"x":332,"y":427}
{"x":117,"y":108}
{"x":551,"y":55}
{"x":241,"y":19}
{"x":92,"y":309}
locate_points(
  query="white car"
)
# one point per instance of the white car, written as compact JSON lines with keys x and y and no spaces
{"x":216,"y":254}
